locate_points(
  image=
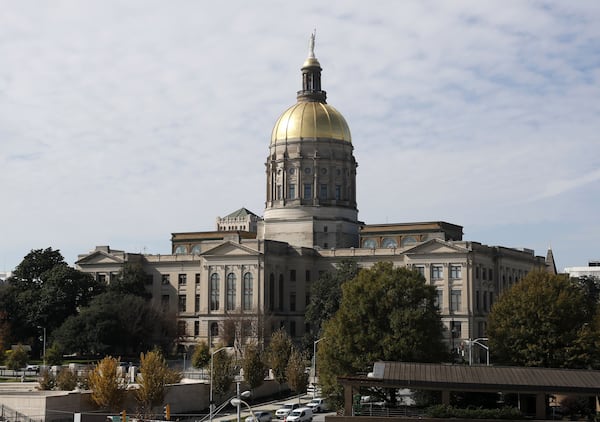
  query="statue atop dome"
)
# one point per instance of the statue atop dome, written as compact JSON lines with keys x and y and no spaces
{"x":311,"y":45}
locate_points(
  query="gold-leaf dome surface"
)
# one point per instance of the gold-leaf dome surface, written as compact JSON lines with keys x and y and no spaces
{"x":311,"y":119}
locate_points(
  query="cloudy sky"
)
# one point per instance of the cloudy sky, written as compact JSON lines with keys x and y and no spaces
{"x":122,"y":122}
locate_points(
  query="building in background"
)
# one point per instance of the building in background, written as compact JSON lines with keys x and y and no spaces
{"x":253,"y":275}
{"x":592,"y":270}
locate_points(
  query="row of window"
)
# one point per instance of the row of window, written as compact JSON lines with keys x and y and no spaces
{"x":308,"y":193}
{"x":484,"y":300}
{"x":215,"y":292}
{"x":389,"y":242}
{"x":437,"y":271}
{"x":455,"y":299}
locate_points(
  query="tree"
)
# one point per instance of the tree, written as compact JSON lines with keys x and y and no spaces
{"x":54,"y":355}
{"x":107,"y":384}
{"x":297,"y":378}
{"x":278,"y":354}
{"x":67,"y":380}
{"x":222,"y":371}
{"x":17,"y":358}
{"x":117,"y":324}
{"x":34,"y":264}
{"x":326,"y":295}
{"x":201,"y":356}
{"x":544,"y":320}
{"x":254,"y":366}
{"x":131,"y":280}
{"x":154,"y":375}
{"x":386,"y":313}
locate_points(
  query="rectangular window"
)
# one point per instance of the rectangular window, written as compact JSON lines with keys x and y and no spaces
{"x":197,"y":278}
{"x":196,"y":328}
{"x":491,"y":299}
{"x":338,"y":192}
{"x":181,"y":328}
{"x":165,"y":279}
{"x":292,"y":301}
{"x":197,"y":303}
{"x":439,"y":298}
{"x":292,"y":275}
{"x":455,"y":300}
{"x":323,"y":192}
{"x":491,"y":274}
{"x":292,"y":192}
{"x":307,"y":191}
{"x":481,"y":329}
{"x":477,"y":300}
{"x":182,"y":303}
{"x":455,"y":271}
{"x":101,"y":278}
{"x":164,"y":302}
{"x":306,"y":299}
{"x":483,"y":274}
{"x":292,"y":328}
{"x":437,"y":272}
{"x":421,"y":269}
{"x":278,"y":191}
{"x":456,"y":329}
{"x":485,"y":302}
{"x":307,"y":276}
{"x":477,"y":272}
{"x":182,"y":279}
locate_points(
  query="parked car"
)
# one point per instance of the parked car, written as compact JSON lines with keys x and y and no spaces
{"x":260,"y":416}
{"x":34,"y":368}
{"x":302,"y":414}
{"x":285,"y":410}
{"x":317,"y":405}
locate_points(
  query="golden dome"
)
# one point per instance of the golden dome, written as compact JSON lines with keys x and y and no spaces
{"x":311,"y":119}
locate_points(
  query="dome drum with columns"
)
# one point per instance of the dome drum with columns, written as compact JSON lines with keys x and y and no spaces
{"x":311,"y":171}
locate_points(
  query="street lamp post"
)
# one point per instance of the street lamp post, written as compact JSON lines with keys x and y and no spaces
{"x":478,"y":341}
{"x":44,"y":346}
{"x":210,"y":402}
{"x":314,"y":366}
{"x":237,"y":402}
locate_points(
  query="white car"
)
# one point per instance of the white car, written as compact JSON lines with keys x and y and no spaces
{"x":286,"y":409}
{"x":317,"y":405}
{"x":260,"y":416}
{"x":302,"y":414}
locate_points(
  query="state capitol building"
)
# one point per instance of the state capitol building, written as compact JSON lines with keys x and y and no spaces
{"x":255,"y":273}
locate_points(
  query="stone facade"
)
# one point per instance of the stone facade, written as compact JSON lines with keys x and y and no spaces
{"x":254,"y":275}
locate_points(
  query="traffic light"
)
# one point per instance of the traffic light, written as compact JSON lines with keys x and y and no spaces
{"x":167,"y":410}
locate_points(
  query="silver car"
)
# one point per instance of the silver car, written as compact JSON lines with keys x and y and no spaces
{"x":260,"y":416}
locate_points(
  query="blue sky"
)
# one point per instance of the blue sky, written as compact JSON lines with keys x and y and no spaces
{"x":122,"y":122}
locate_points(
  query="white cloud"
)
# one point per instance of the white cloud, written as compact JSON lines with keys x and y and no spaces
{"x":121,"y":122}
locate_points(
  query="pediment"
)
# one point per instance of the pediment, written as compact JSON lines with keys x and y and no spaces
{"x":100,"y":257}
{"x":230,"y":249}
{"x":435,"y":246}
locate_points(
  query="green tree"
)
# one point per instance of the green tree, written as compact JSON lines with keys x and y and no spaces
{"x":107,"y":384}
{"x":201,"y":356}
{"x":17,"y":358}
{"x":131,"y":280}
{"x":278,"y":354}
{"x":254,"y":366}
{"x":222,"y":371}
{"x":386,"y":313}
{"x":34,"y":264}
{"x":117,"y":324}
{"x":154,"y":375}
{"x":326,"y":295}
{"x":67,"y":380}
{"x":54,"y":355}
{"x":297,"y":378}
{"x":544,"y":320}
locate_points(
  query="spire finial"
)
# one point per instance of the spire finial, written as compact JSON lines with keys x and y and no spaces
{"x":311,"y":44}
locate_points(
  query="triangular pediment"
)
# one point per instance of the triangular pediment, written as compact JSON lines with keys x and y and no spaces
{"x":435,"y":246}
{"x":100,"y":257}
{"x":230,"y":249}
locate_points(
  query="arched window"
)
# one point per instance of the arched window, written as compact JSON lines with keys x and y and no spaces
{"x":214,"y":292}
{"x":180,"y":249}
{"x":408,"y":240}
{"x":389,"y":243}
{"x":230,"y":291}
{"x":248,"y":291}
{"x":196,"y":250}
